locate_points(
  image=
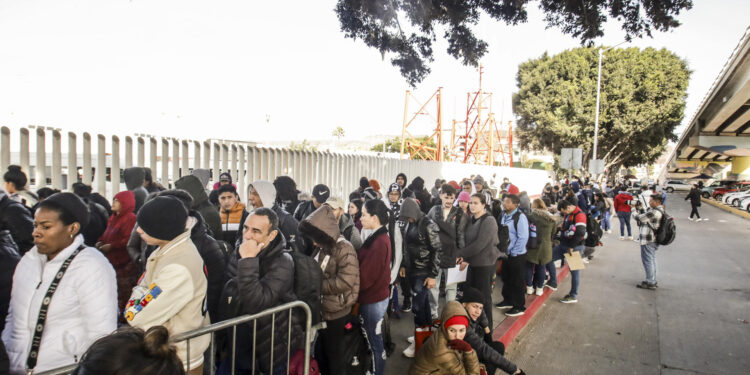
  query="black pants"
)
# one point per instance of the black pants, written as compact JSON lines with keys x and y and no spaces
{"x":498,"y":347}
{"x":405,"y":285}
{"x":694,"y":211}
{"x":481,"y":279}
{"x":329,"y":341}
{"x":513,"y":275}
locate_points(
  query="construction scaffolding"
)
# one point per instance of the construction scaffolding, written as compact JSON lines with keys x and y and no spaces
{"x":425,"y":148}
{"x":477,"y":139}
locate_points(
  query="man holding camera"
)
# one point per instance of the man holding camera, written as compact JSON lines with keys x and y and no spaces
{"x":648,"y":221}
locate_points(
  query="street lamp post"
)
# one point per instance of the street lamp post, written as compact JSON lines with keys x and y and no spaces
{"x":598,"y":96}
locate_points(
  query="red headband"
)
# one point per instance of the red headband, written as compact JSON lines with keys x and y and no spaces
{"x":457,"y":320}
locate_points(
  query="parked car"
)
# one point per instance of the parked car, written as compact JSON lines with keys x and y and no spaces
{"x":745,"y":204}
{"x":735,"y":198}
{"x":719,"y":193}
{"x":677,"y":185}
{"x":708,"y":190}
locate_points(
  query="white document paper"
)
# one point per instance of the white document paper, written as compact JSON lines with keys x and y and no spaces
{"x":455,"y":275}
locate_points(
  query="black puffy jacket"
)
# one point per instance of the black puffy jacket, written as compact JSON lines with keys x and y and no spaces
{"x":215,"y":261}
{"x":16,"y":218}
{"x":452,"y":231}
{"x":475,"y":336}
{"x":421,"y":238}
{"x":264,"y":282}
{"x":9,"y":258}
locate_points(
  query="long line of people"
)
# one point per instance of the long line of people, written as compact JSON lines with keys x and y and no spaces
{"x":201,"y":262}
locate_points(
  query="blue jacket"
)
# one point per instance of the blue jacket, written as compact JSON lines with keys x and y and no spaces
{"x":518,"y":236}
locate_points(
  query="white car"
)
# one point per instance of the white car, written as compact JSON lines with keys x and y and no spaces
{"x":745,"y":204}
{"x":729,"y":198}
{"x":735,"y":198}
{"x":676,"y":185}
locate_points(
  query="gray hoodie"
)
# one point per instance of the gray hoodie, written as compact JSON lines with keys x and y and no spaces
{"x":287,"y":223}
{"x":134,"y":178}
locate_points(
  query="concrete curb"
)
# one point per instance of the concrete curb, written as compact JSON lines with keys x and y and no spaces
{"x":510,"y":327}
{"x":730,"y":209}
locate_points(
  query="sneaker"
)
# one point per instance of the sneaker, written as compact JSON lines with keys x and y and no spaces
{"x":622,"y":238}
{"x":503,"y":305}
{"x":406,"y":307}
{"x":630,"y":238}
{"x":515,"y":312}
{"x":529,"y":290}
{"x":609,"y":231}
{"x":569,"y":299}
{"x":691,"y":219}
{"x":410,"y":339}
{"x":585,"y":260}
{"x":409,"y":352}
{"x":550,"y":285}
{"x":645,"y":285}
{"x":539,"y":291}
{"x":699,"y":219}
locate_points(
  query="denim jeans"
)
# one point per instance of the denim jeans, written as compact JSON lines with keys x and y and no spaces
{"x":624,"y":220}
{"x":450,"y":293}
{"x":575,"y":276}
{"x":605,"y":220}
{"x":420,"y":301}
{"x":535,"y":275}
{"x":372,"y":314}
{"x":648,"y":256}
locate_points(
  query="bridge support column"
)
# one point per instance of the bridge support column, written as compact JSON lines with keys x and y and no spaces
{"x":741,"y":166}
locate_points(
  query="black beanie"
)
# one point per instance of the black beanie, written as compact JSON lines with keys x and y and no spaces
{"x":70,"y":204}
{"x":472,"y":295}
{"x":163,"y":217}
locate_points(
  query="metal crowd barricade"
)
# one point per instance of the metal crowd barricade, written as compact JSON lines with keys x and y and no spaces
{"x":233,"y":323}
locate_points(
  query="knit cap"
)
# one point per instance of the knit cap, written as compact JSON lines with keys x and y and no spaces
{"x":163,"y":217}
{"x":472,"y":295}
{"x":464,"y":197}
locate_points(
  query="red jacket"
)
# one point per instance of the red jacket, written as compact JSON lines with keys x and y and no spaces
{"x":375,"y":267}
{"x":117,"y":234}
{"x":621,"y":202}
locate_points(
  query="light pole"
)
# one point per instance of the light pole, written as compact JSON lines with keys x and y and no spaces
{"x":598,"y":95}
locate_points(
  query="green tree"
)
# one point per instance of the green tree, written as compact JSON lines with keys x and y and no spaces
{"x":642,"y":102}
{"x":378,"y":23}
{"x":302,"y":146}
{"x":338,"y":133}
{"x":394,"y":145}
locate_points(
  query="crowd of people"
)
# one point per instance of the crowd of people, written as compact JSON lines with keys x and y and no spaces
{"x":94,"y":277}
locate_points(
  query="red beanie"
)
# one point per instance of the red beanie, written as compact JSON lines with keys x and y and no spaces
{"x":457,"y":320}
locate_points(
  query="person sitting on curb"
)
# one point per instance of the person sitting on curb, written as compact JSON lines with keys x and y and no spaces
{"x":479,"y":335}
{"x":445,"y":352}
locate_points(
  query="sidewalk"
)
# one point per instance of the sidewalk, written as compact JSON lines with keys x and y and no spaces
{"x":697,"y":322}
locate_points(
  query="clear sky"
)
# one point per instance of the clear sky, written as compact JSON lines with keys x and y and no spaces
{"x":270,"y":70}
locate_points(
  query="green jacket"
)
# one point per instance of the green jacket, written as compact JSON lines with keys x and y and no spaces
{"x":546,"y":226}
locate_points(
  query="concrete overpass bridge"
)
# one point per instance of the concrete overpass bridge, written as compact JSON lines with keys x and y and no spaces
{"x":717,"y":139}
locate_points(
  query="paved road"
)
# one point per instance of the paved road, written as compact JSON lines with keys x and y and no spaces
{"x":695,"y":323}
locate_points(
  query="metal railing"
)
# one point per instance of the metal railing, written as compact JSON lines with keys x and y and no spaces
{"x":233,"y":323}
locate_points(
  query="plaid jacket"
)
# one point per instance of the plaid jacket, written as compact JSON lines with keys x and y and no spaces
{"x":648,"y":221}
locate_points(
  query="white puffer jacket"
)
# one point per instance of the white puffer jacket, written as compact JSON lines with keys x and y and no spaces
{"x":83,"y":309}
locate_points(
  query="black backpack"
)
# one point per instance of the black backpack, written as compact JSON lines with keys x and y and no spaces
{"x":593,"y":229}
{"x":667,"y":230}
{"x":308,"y":284}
